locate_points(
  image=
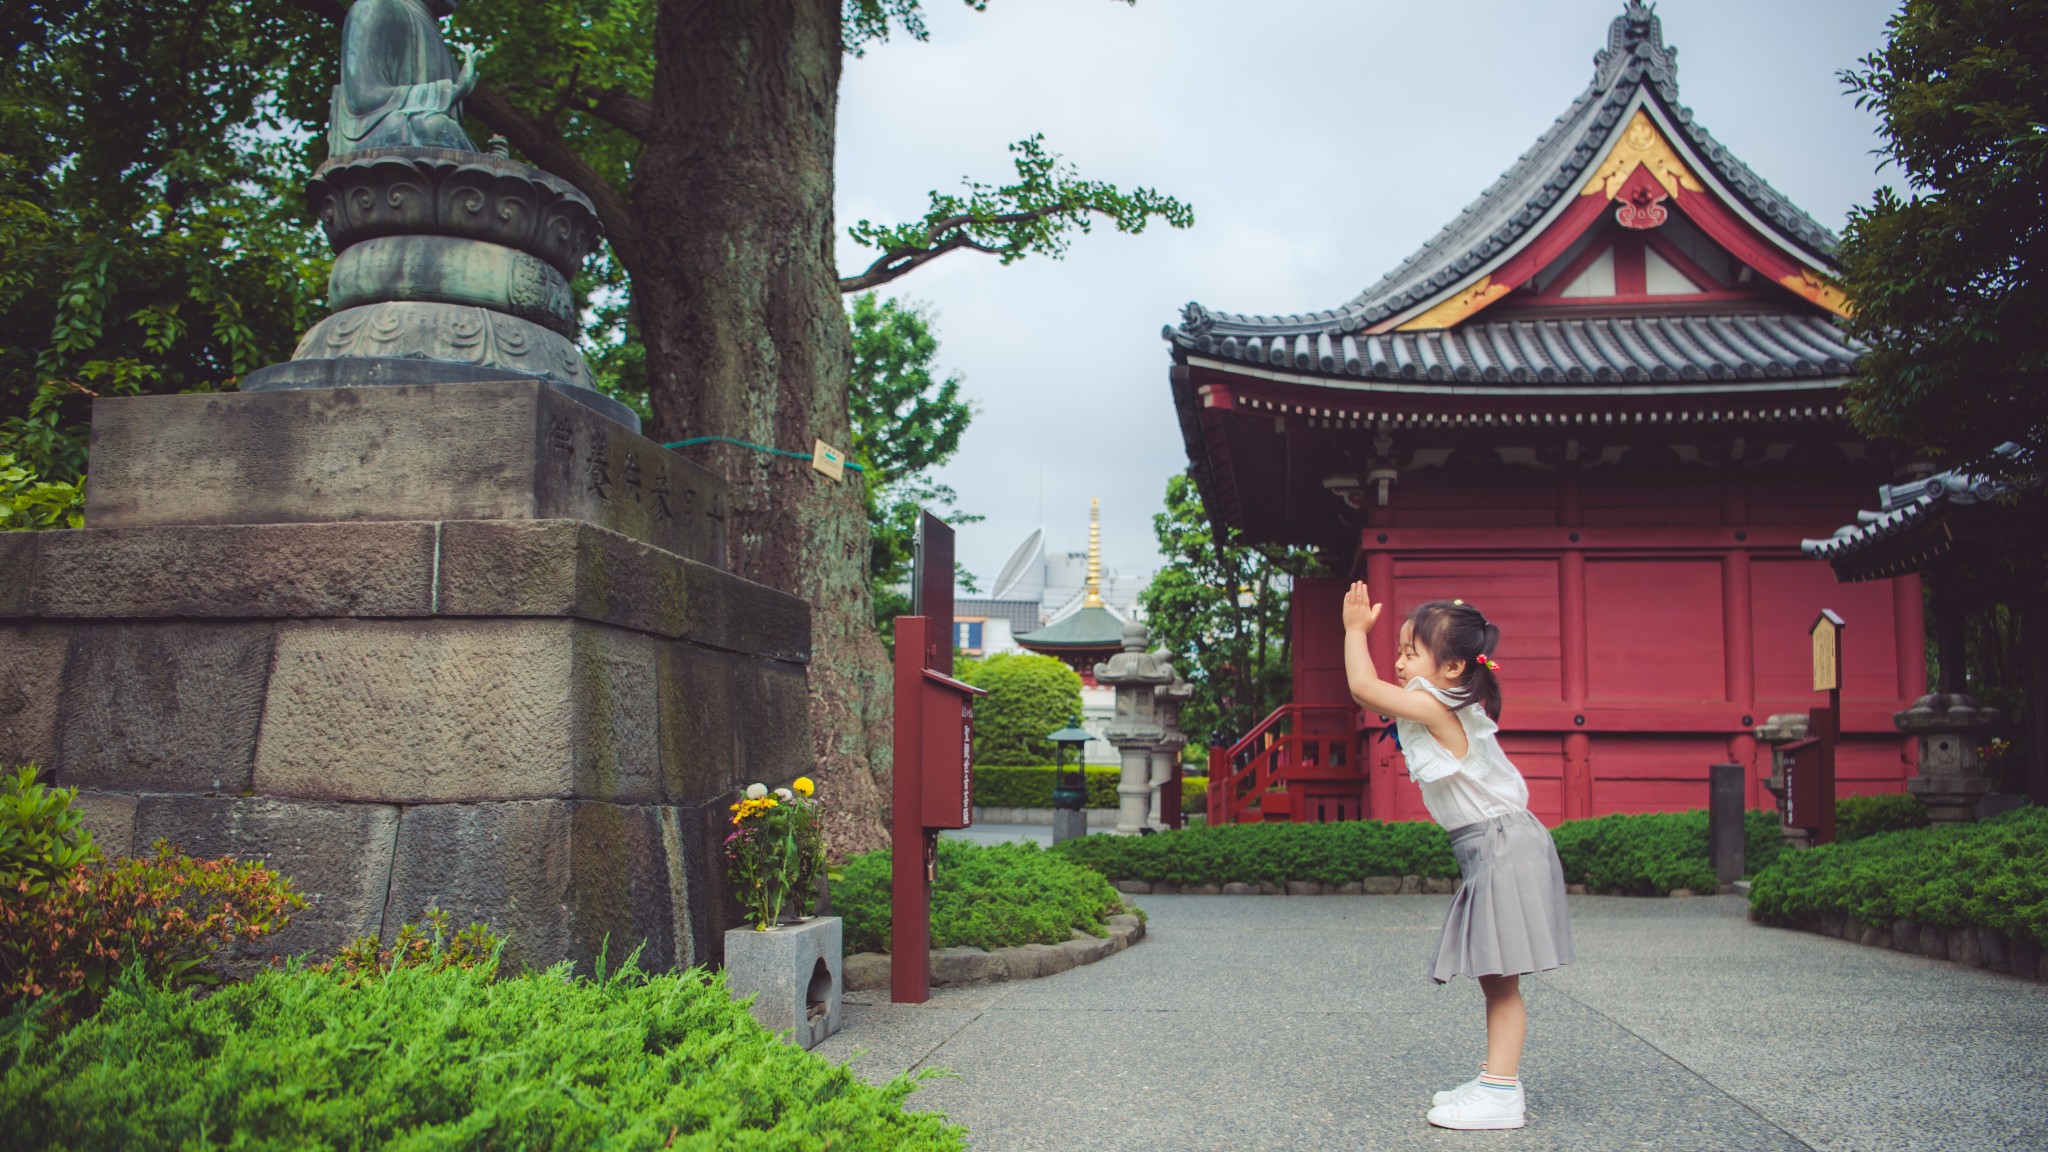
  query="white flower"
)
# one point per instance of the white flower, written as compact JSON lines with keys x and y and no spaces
{"x":756,"y":791}
{"x":784,"y":795}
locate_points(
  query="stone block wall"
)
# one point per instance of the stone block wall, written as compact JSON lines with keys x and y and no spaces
{"x":536,"y":722}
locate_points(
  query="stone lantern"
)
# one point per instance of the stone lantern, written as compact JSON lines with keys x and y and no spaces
{"x":1776,"y":732}
{"x":1135,"y":730}
{"x":1166,"y":701}
{"x":1951,"y":778}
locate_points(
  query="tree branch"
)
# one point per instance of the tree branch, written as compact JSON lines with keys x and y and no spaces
{"x":545,"y":147}
{"x":622,"y":110}
{"x":901,"y":261}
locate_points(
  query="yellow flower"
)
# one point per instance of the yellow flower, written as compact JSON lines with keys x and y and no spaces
{"x":803,"y":786}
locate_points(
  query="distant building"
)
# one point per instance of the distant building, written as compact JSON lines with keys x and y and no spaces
{"x":1062,"y":606}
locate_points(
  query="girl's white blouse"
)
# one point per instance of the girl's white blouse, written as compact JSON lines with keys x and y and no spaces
{"x":1480,"y":786}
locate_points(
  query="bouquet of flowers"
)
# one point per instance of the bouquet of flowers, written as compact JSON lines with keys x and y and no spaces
{"x":776,"y":848}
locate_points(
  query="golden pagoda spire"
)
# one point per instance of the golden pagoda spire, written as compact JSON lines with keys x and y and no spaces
{"x":1094,"y":599}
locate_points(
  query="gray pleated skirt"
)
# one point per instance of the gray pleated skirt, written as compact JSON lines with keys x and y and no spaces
{"x":1508,"y":918}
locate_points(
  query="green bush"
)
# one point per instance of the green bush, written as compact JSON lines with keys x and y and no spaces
{"x":1638,"y":854}
{"x":1992,"y":874}
{"x":42,"y":836}
{"x":1652,"y":853}
{"x":29,"y":502}
{"x":985,"y":896}
{"x":1030,"y":786}
{"x":440,"y":1059}
{"x":1274,"y":853}
{"x":1010,"y":786}
{"x":1028,"y":697}
{"x":1860,"y":816}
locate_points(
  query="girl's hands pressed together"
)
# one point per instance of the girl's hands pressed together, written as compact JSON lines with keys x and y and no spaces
{"x":1360,"y":613}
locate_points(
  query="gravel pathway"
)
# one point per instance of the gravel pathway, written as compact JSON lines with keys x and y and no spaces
{"x":1249,"y":1022}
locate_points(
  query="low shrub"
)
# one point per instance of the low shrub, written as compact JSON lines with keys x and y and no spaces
{"x":441,"y":1059}
{"x":984,"y":896}
{"x":1273,"y":853}
{"x":1005,"y":786}
{"x":1860,"y":816}
{"x":1653,"y":853}
{"x":71,"y":921}
{"x":425,"y":945}
{"x":1009,"y":786}
{"x":1992,"y":874}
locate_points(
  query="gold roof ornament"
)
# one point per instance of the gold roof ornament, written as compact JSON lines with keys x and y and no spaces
{"x":1094,"y":599}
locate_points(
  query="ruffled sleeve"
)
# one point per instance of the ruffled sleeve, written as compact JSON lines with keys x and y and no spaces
{"x":1430,"y":761}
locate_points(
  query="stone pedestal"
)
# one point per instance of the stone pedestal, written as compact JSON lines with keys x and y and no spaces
{"x":1167,"y":701}
{"x":1776,"y":732}
{"x":795,"y":974}
{"x":1950,"y":780}
{"x":406,"y":665}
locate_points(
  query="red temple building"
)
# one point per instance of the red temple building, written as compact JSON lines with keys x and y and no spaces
{"x":1603,"y":404}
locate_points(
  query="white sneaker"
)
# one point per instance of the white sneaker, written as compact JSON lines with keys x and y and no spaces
{"x":1482,"y":1108}
{"x":1449,"y":1094}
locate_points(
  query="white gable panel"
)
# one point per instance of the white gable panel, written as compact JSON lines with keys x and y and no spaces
{"x":1596,"y":280}
{"x":1662,"y":278}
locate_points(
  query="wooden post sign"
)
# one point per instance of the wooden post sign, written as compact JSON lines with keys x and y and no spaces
{"x":1810,"y":763}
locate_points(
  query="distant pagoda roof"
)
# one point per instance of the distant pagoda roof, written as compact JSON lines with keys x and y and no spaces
{"x":1628,"y":112}
{"x":1089,"y":628}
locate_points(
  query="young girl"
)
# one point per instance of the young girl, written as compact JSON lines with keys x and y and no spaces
{"x":1508,"y":917}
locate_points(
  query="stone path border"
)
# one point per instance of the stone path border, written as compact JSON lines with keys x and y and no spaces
{"x":1969,"y":946}
{"x":1370,"y":886}
{"x":951,"y":966}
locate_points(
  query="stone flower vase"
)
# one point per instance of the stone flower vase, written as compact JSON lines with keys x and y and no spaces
{"x":793,"y":972}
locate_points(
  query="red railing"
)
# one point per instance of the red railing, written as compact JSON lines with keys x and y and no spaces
{"x":1301,"y":764}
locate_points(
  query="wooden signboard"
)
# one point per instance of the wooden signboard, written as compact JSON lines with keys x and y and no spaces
{"x":1827,"y":652}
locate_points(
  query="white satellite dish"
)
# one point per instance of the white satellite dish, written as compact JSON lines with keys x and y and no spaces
{"x":1019,"y":565}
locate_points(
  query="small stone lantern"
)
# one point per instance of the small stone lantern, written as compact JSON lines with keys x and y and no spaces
{"x":1069,"y":782}
{"x":1779,"y":730}
{"x":1135,"y":730}
{"x":1951,"y":778}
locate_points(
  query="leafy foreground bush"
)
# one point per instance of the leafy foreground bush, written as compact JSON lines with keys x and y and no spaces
{"x":441,"y":1059}
{"x":1860,"y":816}
{"x":1274,"y":853}
{"x":1991,"y":875}
{"x":1656,"y":852}
{"x":984,"y":896}
{"x":1008,"y":786}
{"x":71,"y":921}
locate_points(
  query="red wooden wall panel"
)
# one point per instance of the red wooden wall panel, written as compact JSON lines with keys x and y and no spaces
{"x":1654,"y":630}
{"x":1317,"y":620}
{"x":1789,"y":594}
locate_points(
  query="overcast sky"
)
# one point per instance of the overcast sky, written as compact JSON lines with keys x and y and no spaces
{"x":1319,"y":141}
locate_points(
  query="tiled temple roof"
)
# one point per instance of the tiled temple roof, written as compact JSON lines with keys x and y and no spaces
{"x":1734,"y":347}
{"x":1906,"y":527}
{"x":1635,"y":59}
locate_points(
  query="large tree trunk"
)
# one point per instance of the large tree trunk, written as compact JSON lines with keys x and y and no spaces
{"x":746,"y":337}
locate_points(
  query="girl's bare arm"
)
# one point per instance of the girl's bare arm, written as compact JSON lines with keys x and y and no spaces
{"x":1377,"y":695}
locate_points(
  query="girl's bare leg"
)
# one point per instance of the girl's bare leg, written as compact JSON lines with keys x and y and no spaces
{"x":1507,"y":1022}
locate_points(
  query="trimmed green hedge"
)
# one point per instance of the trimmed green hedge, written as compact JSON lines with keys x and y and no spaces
{"x":1273,"y":853}
{"x":1005,"y":786}
{"x":1860,"y":816}
{"x":1991,"y":875}
{"x":447,"y":1059}
{"x":985,"y":896}
{"x":1653,"y":853}
{"x":1656,"y":852}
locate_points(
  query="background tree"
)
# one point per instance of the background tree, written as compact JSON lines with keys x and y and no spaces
{"x":703,"y":131}
{"x":906,"y":422}
{"x":1950,"y":284}
{"x":1028,"y":697}
{"x":1220,"y":606}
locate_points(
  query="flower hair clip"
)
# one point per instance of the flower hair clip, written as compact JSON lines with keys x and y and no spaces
{"x":1483,"y":658}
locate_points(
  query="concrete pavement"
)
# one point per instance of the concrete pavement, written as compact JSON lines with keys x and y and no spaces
{"x":1306,"y":1023}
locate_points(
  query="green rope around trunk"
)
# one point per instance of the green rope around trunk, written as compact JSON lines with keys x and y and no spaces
{"x":850,"y":465}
